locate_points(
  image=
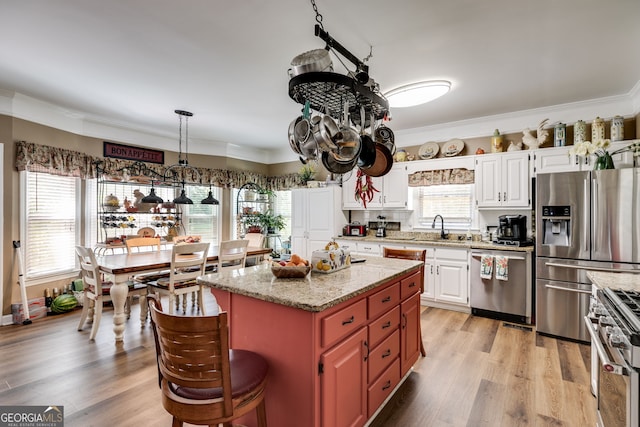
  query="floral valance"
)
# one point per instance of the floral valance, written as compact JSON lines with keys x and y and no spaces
{"x":60,"y":161}
{"x":441,"y":177}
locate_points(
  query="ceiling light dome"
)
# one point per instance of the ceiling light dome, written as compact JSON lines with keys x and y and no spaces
{"x":417,"y":93}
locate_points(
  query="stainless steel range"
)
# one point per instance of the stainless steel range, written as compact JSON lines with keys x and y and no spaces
{"x":614,"y":325}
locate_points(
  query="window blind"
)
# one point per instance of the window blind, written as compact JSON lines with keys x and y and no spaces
{"x":51,"y":228}
{"x":453,"y":201}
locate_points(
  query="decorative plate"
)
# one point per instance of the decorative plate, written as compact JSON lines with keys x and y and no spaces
{"x":428,"y":150}
{"x":453,"y":147}
{"x":146,"y":232}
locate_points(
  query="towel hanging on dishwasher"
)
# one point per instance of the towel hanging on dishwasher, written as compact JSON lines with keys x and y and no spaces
{"x":502,"y":267}
{"x":486,"y":266}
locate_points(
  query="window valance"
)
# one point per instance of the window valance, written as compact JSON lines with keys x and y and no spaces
{"x":441,"y":177}
{"x":60,"y":161}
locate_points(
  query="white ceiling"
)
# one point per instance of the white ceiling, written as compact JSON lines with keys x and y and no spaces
{"x":128,"y":64}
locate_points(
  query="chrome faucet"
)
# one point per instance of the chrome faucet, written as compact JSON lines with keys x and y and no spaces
{"x":443,"y":234}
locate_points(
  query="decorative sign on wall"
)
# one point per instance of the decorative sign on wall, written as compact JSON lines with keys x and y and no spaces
{"x":128,"y":152}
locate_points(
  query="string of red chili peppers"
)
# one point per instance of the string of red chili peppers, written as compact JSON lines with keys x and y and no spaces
{"x":364,"y":191}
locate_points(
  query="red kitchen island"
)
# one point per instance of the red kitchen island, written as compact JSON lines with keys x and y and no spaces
{"x":338,"y":344}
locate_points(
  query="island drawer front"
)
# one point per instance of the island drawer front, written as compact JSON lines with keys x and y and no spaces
{"x":381,"y":328}
{"x":343,"y":322}
{"x":410,"y":285}
{"x":382,"y":387}
{"x":383,"y":300}
{"x":383,"y":355}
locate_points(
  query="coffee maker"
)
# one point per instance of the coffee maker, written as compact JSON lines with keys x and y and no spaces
{"x":382,"y":227}
{"x":512,"y":228}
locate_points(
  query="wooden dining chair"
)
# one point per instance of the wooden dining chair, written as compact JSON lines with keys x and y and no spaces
{"x":96,"y":292}
{"x":203,"y":382}
{"x":232,"y":254}
{"x":140,"y":244}
{"x":256,"y":240}
{"x":188,"y":261}
{"x":416,"y":255}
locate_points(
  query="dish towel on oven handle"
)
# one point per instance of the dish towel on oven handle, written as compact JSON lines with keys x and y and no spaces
{"x":486,"y":266}
{"x":502,"y":267}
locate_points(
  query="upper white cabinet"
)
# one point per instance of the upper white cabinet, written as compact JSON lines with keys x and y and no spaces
{"x":558,"y":159}
{"x":392,"y":189}
{"x":316,"y":218}
{"x":502,"y":180}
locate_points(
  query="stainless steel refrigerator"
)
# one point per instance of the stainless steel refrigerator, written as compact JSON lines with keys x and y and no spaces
{"x":584,"y":221}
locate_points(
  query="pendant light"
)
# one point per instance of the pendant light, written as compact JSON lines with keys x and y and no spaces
{"x":183,"y":162}
{"x":210,"y":200}
{"x":152,"y":197}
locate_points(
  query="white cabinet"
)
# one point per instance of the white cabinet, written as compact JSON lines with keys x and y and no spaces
{"x":502,"y":180}
{"x":393,"y":189}
{"x":558,"y":159}
{"x":316,"y":218}
{"x":447,"y":276}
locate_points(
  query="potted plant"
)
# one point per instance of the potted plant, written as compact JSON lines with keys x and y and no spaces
{"x":252,"y":223}
{"x":264,"y":194}
{"x":307,"y":172}
{"x":270,"y":222}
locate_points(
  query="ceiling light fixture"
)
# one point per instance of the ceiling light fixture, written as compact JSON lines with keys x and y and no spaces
{"x":417,"y":93}
{"x":176,"y":172}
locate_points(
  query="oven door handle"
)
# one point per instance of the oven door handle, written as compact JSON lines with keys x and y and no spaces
{"x":515,"y":258}
{"x":607,"y":364}
{"x":562,"y":288}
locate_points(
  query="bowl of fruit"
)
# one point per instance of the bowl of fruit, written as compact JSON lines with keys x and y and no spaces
{"x":296,"y":268}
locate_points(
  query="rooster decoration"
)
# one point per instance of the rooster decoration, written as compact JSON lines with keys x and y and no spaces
{"x":533,"y":142}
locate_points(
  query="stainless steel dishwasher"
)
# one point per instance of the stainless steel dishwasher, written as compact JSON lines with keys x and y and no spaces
{"x":510,"y":299}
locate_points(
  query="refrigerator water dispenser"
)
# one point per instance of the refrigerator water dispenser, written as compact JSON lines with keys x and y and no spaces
{"x":556,"y":224}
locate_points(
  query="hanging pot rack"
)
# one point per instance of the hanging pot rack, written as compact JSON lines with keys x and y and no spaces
{"x":328,"y":92}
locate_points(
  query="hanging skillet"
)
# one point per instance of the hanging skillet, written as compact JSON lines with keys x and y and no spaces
{"x":384,"y":158}
{"x":368,"y":146}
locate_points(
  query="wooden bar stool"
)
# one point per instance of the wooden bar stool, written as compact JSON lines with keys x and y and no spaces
{"x":412,"y":254}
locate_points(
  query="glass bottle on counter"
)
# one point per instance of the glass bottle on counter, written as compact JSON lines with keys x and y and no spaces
{"x":48,"y":300}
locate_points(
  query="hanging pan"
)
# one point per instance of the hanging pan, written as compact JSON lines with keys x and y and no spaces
{"x":332,"y":165}
{"x":384,"y":158}
{"x":368,"y":147}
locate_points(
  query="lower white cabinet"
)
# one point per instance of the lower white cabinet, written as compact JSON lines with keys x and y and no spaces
{"x":316,"y":218}
{"x":447,"y":276}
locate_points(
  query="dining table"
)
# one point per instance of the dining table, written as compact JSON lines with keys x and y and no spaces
{"x":121,"y":267}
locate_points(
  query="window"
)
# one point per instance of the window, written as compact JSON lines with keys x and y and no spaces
{"x":50,"y":230}
{"x":453,"y":201}
{"x":202,"y":220}
{"x":282,"y":206}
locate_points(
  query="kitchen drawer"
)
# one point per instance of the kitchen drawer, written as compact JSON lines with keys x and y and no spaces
{"x":382,"y":355}
{"x":452,"y":254}
{"x":410,"y":285}
{"x":384,"y":300}
{"x":369,"y":249}
{"x":343,"y":322}
{"x":382,"y":327}
{"x":383,"y":386}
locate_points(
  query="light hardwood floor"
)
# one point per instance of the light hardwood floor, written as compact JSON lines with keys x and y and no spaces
{"x":477,"y":372}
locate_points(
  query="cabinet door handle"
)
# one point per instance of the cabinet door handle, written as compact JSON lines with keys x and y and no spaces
{"x":404,"y":320}
{"x":431,"y":268}
{"x":386,"y":385}
{"x":438,"y":270}
{"x":412,"y":285}
{"x":387,"y":325}
{"x":499,"y":197}
{"x":386,"y":299}
{"x":386,"y":353}
{"x":366,"y":345}
{"x":350,"y":320}
{"x":504,"y":196}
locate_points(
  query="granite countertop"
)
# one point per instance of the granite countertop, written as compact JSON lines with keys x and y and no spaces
{"x":622,"y":281}
{"x":463,"y":244}
{"x":317,"y":291}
